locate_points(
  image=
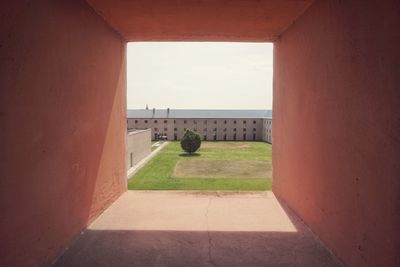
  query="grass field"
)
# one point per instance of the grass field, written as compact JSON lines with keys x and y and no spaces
{"x":217,"y":166}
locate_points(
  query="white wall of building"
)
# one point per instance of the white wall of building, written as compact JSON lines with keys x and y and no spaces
{"x":267,"y":130}
{"x":138,"y":146}
{"x":231,"y":129}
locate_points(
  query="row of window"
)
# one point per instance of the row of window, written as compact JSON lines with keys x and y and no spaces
{"x":205,"y":129}
{"x":155,"y":121}
{"x":195,"y":122}
{"x":234,"y":137}
{"x":214,"y":137}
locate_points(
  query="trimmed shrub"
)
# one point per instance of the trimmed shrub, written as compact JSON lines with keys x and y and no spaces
{"x":190,"y":141}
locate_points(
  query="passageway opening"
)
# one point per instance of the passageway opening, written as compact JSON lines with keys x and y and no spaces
{"x":220,"y":90}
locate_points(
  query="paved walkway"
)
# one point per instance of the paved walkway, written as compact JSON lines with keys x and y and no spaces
{"x":175,"y":228}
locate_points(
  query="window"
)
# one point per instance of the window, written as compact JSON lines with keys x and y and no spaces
{"x":175,"y":136}
{"x":175,"y":129}
{"x":215,"y":138}
{"x":225,"y":130}
{"x":244,"y":129}
{"x":184,"y":121}
{"x":224,"y":122}
{"x":174,"y":121}
{"x":205,"y":137}
{"x":254,"y":129}
{"x":244,"y":137}
{"x":145,"y":121}
{"x":136,"y":121}
{"x":165,"y":121}
{"x":215,"y":122}
{"x":234,"y":129}
{"x":205,"y":122}
{"x":195,"y":122}
{"x":155,"y":121}
{"x":184,"y":129}
{"x":254,"y":137}
{"x":244,"y":122}
{"x":156,"y":129}
{"x":224,"y":137}
{"x":205,"y":129}
{"x":215,"y":129}
{"x":165,"y":129}
{"x":254,"y":122}
{"x":234,"y":136}
{"x":234,"y":122}
{"x":195,"y":129}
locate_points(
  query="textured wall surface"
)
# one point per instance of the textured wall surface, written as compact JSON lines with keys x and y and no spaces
{"x":62,"y":116}
{"x":337,"y":124}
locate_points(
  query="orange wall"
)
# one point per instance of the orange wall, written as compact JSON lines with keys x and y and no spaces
{"x":63,"y":125}
{"x":337,"y":124}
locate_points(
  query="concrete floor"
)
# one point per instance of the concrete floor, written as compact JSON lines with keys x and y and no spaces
{"x":197,"y":229}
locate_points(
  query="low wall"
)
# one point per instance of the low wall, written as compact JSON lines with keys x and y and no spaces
{"x":138,"y":144}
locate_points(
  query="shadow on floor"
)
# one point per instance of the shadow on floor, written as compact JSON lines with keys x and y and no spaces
{"x":179,"y":248}
{"x":198,"y":229}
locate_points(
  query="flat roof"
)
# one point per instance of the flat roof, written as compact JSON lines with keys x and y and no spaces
{"x":199,"y":113}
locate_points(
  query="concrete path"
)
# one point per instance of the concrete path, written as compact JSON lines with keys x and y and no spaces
{"x":197,"y":229}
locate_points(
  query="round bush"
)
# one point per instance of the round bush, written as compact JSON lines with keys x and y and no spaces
{"x":190,"y":141}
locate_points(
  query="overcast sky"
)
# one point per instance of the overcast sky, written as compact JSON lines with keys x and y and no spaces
{"x":200,"y":75}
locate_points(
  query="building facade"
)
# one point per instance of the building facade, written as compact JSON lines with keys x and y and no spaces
{"x":267,"y":130}
{"x":212,"y":125}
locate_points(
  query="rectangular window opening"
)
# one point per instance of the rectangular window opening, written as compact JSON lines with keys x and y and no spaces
{"x":177,"y":86}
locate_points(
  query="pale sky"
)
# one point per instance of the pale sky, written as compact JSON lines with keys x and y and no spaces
{"x":194,"y":75}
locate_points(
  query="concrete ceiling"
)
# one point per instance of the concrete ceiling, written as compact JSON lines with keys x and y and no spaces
{"x":200,"y":20}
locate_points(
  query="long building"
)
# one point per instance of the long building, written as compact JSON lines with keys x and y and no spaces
{"x":214,"y":125}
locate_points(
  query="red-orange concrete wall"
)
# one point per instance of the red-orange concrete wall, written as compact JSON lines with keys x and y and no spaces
{"x":63,"y":126}
{"x":336,"y":127}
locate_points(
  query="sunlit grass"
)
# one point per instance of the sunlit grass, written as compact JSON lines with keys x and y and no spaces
{"x":158,"y":174}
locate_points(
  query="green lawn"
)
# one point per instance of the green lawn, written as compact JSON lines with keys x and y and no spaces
{"x":160,"y":173}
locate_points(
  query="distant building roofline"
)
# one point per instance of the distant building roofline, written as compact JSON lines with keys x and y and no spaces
{"x":200,"y":113}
